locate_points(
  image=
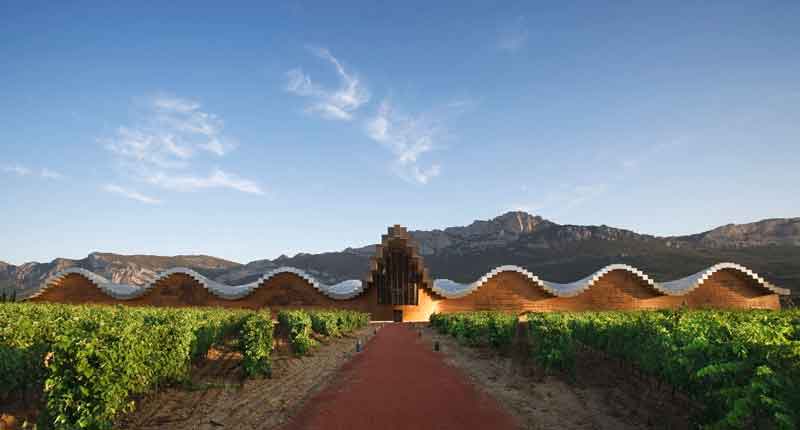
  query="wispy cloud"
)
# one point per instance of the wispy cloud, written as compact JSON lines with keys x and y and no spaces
{"x":50,"y":174}
{"x":131,"y":194}
{"x":513,"y":36}
{"x":21,"y":170}
{"x":217,"y":179}
{"x":162,"y":148}
{"x":17,"y":170}
{"x":408,"y":139}
{"x":462,"y":104}
{"x":338,"y":104}
{"x":172,"y":131}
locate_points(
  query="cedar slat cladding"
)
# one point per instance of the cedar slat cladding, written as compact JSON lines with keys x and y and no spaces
{"x":398,"y":270}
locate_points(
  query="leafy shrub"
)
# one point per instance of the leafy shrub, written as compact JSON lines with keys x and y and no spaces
{"x":298,"y":325}
{"x":743,"y":366}
{"x":325,"y":323}
{"x":486,"y":328}
{"x":103,"y":358}
{"x":350,"y":321}
{"x":255,"y":343}
{"x":336,"y":322}
{"x":92,"y":359}
{"x":26,"y":332}
{"x":551,"y":341}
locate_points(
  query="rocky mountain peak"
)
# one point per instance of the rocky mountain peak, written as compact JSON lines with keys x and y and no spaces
{"x":480,"y":234}
{"x":518,"y":222}
{"x":774,"y":231}
{"x":514,"y":223}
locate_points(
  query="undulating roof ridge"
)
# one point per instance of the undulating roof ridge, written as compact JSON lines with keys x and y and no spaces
{"x":340,"y":291}
{"x":451,"y":289}
{"x":444,"y":287}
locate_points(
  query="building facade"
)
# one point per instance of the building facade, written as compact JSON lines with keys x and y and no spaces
{"x":398,"y":287}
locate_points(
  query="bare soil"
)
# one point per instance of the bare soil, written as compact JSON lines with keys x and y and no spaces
{"x":219,"y":397}
{"x":601,"y":394}
{"x":19,"y":411}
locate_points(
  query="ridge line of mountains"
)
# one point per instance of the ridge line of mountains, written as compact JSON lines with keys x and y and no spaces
{"x":556,"y":252}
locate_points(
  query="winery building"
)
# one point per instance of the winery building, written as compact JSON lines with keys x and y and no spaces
{"x":397,"y":286}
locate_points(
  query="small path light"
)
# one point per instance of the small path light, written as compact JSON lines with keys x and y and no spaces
{"x":436,"y":346}
{"x":420,"y":333}
{"x":358,"y":345}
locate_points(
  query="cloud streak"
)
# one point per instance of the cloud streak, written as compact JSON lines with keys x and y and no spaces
{"x":161,"y":149}
{"x":217,"y":179}
{"x":17,"y":170}
{"x":20,"y":170}
{"x":408,"y":139}
{"x":173,"y":131}
{"x":130,"y":194}
{"x":339,"y":104}
{"x":50,"y":174}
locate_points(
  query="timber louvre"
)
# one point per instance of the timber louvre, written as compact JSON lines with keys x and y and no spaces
{"x":398,"y":271}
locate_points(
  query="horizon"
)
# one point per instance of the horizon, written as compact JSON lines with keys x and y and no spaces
{"x":340,"y":249}
{"x":251,"y":132}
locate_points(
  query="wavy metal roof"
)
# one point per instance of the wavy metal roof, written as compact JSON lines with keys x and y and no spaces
{"x":341,"y":291}
{"x":451,"y":289}
{"x":446,"y":288}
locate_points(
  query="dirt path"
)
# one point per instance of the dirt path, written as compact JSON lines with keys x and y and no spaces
{"x":219,"y":398}
{"x":398,"y":382}
{"x":602,"y":397}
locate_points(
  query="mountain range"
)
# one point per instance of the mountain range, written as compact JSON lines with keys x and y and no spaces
{"x":556,"y":252}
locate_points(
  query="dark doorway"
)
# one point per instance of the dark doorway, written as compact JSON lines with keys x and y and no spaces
{"x":397,"y":315}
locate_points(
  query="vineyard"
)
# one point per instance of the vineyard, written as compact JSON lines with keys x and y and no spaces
{"x":741,"y":367}
{"x":494,"y":329}
{"x":88,"y":362}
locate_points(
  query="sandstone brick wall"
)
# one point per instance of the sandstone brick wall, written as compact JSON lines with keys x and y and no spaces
{"x":618,"y":290}
{"x":508,"y":291}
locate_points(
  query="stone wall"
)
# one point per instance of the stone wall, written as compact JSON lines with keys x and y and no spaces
{"x":508,"y":291}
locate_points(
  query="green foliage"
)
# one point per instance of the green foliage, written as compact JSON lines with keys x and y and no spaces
{"x":255,"y":343}
{"x":298,"y":325}
{"x":325,"y":323}
{"x":26,"y":332}
{"x":336,"y":322}
{"x":349,"y":321}
{"x":477,"y":328}
{"x":743,"y":366}
{"x":92,"y":359}
{"x":552,"y":344}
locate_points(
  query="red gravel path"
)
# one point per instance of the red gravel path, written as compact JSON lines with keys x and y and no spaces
{"x":398,"y":382}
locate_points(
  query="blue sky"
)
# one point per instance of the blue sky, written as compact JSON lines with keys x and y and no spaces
{"x":249,"y":130}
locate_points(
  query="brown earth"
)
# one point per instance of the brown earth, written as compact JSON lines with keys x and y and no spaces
{"x":20,"y":410}
{"x":601,"y":394}
{"x":219,"y":398}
